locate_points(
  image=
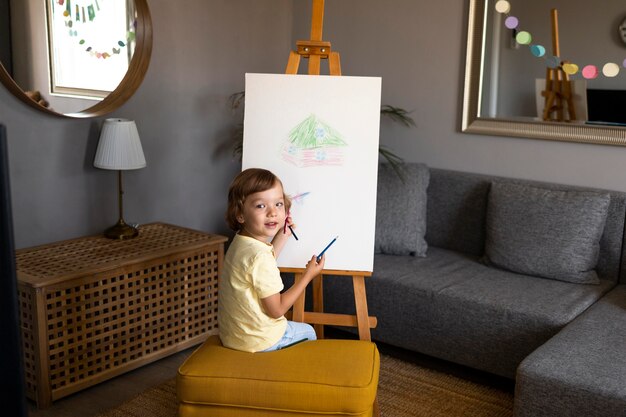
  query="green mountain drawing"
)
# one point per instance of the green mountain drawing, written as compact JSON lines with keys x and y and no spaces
{"x":314,"y":133}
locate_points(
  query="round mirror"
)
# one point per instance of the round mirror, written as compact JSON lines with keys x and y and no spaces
{"x":75,"y":58}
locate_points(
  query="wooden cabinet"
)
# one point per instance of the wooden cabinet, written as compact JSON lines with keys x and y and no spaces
{"x":92,"y":308}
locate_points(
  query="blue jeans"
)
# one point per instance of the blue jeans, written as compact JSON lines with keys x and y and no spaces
{"x":295,"y":332}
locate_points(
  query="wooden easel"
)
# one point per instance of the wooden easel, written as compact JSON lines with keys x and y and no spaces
{"x":558,"y":91}
{"x":315,"y":50}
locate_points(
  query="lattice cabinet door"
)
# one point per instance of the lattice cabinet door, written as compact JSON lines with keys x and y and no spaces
{"x":93,"y":308}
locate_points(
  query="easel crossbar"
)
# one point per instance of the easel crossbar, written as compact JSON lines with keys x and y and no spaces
{"x":345,"y":320}
{"x":328,"y":272}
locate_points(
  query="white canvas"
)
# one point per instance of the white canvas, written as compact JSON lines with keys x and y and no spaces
{"x":319,"y":135}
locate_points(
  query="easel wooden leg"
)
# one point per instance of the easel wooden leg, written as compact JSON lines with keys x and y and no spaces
{"x":360,"y":301}
{"x":293,"y":63}
{"x":569,"y":97}
{"x":317,"y":20}
{"x":334,"y":63}
{"x":559,"y":98}
{"x":314,"y":64}
{"x":318,"y":303}
{"x":361,"y":320}
{"x":558,"y":92}
{"x":548,"y":93}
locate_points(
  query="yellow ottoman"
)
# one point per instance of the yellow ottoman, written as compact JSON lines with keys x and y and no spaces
{"x":318,"y":378}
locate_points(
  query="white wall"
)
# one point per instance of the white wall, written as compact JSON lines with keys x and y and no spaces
{"x":418,"y":47}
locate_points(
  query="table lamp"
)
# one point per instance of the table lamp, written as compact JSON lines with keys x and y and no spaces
{"x":120,"y":149}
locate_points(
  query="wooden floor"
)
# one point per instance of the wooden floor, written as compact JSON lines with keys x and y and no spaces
{"x":111,"y":393}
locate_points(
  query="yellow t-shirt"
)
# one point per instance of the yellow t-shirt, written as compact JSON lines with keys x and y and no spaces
{"x":250,"y":273}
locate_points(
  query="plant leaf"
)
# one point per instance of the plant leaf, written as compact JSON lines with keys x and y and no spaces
{"x":398,"y":114}
{"x":237,"y":99}
{"x":396,"y":162}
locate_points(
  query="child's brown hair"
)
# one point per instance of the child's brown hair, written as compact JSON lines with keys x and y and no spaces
{"x":247,"y":182}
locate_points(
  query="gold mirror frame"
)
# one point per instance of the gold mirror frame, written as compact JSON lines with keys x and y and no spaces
{"x":126,"y":88}
{"x":473,"y":123}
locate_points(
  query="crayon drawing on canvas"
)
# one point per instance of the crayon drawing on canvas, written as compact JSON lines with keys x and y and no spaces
{"x":319,"y":134}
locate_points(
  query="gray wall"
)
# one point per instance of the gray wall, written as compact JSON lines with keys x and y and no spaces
{"x":202,"y":48}
{"x":418,"y":47}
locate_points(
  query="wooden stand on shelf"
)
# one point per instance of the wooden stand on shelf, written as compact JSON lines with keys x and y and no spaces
{"x":558,"y":92}
{"x":315,"y":50}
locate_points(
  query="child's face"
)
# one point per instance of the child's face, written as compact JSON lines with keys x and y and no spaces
{"x":263,"y":213}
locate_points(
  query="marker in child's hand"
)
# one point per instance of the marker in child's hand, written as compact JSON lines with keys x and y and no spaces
{"x":319,"y":257}
{"x":290,"y":228}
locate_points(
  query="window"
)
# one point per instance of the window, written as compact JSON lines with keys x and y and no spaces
{"x":90,"y":44}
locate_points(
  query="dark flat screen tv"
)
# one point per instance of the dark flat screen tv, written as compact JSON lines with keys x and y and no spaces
{"x":606,"y":106}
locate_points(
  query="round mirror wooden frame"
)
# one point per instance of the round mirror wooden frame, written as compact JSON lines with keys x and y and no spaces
{"x":126,"y":88}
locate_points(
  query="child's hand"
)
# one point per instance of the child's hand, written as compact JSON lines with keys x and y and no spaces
{"x":289,"y":224}
{"x":314,"y":268}
{"x":282,"y":235}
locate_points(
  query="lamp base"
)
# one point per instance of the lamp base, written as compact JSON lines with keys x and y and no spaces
{"x":121,"y":231}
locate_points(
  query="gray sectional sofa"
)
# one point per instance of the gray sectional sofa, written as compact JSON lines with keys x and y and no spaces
{"x":492,"y":272}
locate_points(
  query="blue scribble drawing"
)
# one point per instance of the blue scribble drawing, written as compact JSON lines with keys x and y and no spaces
{"x":299,"y":198}
{"x":314,"y":143}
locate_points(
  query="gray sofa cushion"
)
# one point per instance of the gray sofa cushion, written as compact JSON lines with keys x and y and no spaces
{"x":457,"y":202}
{"x":451,"y":306}
{"x":547,"y":233}
{"x":582,"y":370}
{"x":457,"y":205}
{"x":401,"y":210}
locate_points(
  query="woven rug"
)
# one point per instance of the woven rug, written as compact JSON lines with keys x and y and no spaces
{"x":404,"y":390}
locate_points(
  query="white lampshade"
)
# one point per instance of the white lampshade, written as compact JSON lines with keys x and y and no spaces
{"x":119,"y":146}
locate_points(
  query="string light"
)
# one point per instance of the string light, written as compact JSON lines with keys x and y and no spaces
{"x":589,"y":72}
{"x":86,"y":15}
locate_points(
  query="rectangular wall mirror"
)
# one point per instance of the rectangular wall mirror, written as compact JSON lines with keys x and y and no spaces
{"x":500,"y":96}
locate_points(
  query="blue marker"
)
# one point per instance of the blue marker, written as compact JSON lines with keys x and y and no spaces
{"x":292,"y":232}
{"x":319,"y":257}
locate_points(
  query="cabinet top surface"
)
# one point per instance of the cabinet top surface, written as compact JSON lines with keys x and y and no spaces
{"x":41,"y":263}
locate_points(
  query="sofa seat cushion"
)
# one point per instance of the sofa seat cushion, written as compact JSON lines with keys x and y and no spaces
{"x":451,"y":306}
{"x":582,"y":370}
{"x":322,"y":377}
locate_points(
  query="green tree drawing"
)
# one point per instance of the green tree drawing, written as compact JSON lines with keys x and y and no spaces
{"x":314,"y":133}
